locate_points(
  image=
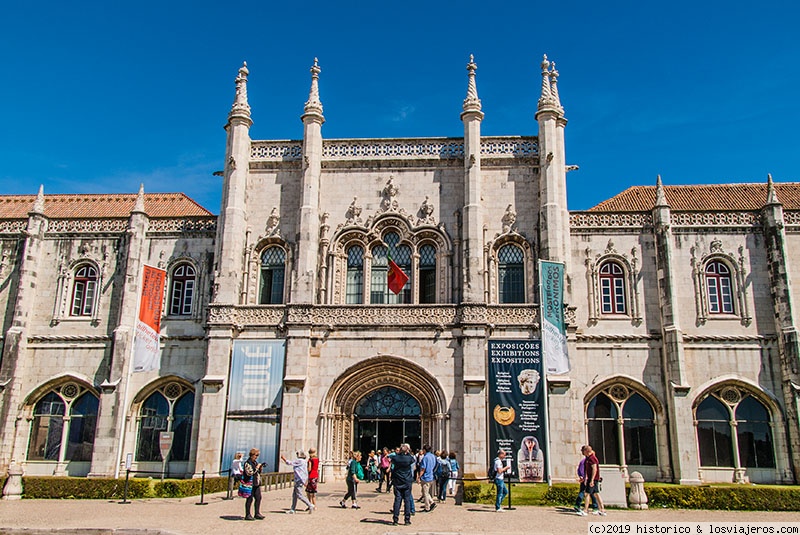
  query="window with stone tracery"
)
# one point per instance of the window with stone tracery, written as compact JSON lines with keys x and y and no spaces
{"x":427,"y":274}
{"x":170,"y":408}
{"x":401,"y":255}
{"x":273,"y":268}
{"x":63,"y":425}
{"x":632,"y":437}
{"x":355,"y":275}
{"x":720,"y":288}
{"x":612,"y":288}
{"x":84,"y":291}
{"x":511,"y":274}
{"x":182,"y":290}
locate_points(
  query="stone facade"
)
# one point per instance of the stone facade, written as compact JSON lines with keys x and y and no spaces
{"x":456,"y":204}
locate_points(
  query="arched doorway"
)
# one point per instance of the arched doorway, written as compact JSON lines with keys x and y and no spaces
{"x":387,"y":417}
{"x":362,"y":385}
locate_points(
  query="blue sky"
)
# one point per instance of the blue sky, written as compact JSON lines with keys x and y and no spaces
{"x":98,"y":97}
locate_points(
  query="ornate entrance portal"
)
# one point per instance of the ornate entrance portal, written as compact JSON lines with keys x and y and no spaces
{"x":387,"y":417}
{"x":381,"y":401}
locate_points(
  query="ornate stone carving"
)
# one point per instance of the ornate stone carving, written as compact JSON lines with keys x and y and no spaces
{"x":397,"y":149}
{"x":390,"y":191}
{"x":353,"y":214}
{"x":738,"y":278}
{"x":273,"y":221}
{"x":509,"y":218}
{"x":189,"y":225}
{"x":425,"y":214}
{"x":579,"y":220}
{"x":13,"y":226}
{"x":630,"y":278}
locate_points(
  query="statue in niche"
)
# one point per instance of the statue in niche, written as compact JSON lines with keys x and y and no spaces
{"x":509,"y":218}
{"x":353,"y":213}
{"x":273,"y":221}
{"x":426,"y":212}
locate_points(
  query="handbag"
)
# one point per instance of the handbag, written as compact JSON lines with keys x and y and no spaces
{"x":245,"y":489}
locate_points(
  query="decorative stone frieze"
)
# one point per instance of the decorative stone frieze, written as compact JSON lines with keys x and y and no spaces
{"x":588,"y":220}
{"x":87,"y":226}
{"x":13,"y":226}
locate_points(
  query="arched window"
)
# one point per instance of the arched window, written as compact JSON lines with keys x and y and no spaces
{"x":427,"y":274}
{"x":273,"y":266}
{"x":355,"y":275}
{"x":603,"y":434}
{"x":719,"y":285}
{"x":633,"y":436}
{"x":639,"y":429}
{"x":68,"y":415}
{"x":379,"y":287}
{"x":714,"y":433}
{"x":171,"y":408}
{"x":182,"y":290}
{"x":511,"y":274}
{"x":84,"y":290}
{"x":387,"y":402}
{"x":755,"y":434}
{"x":612,"y":289}
{"x":731,"y":409}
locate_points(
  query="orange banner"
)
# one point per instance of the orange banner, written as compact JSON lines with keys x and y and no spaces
{"x":153,"y":280}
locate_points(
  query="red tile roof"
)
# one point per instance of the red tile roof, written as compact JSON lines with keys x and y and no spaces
{"x":101,"y":206}
{"x":721,"y":197}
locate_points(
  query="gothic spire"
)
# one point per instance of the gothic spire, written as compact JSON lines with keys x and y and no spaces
{"x":313,"y":105}
{"x":546,"y":99}
{"x":661,"y":197}
{"x":554,"y":86}
{"x":472,"y":103}
{"x":38,"y":204}
{"x":772,"y":197}
{"x":139,"y":206}
{"x":240,"y":106}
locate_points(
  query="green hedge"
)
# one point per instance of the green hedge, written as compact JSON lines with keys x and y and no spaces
{"x":180,"y":488}
{"x":108,"y":489}
{"x":733,"y":498}
{"x":730,"y":497}
{"x":81,"y":487}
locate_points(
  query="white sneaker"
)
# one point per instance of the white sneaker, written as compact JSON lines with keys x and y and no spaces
{"x":498,"y":510}
{"x":580,"y":512}
{"x":290,"y":512}
{"x":311,"y":508}
{"x":599,"y":513}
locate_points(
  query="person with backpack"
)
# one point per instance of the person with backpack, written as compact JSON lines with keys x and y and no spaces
{"x":454,"y":468}
{"x":402,"y":480}
{"x":497,"y":473}
{"x":355,"y":472}
{"x":442,"y":474}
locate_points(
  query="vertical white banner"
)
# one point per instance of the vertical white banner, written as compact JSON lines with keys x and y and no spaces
{"x":554,"y":334}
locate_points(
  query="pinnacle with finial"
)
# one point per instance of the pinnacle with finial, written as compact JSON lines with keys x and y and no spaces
{"x":554,"y":86}
{"x":139,"y":206}
{"x":241,"y":108}
{"x":661,"y":197}
{"x":313,"y":106}
{"x":772,"y":196}
{"x":38,"y":204}
{"x":546,"y":99}
{"x":472,"y":103}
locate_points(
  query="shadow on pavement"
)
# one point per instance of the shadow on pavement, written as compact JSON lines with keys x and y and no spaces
{"x":231,"y":517}
{"x":376,"y":521}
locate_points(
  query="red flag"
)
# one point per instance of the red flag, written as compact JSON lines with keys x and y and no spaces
{"x":396,"y":277}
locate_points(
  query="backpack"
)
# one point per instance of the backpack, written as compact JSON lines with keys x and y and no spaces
{"x":445,"y":469}
{"x":492,"y":472}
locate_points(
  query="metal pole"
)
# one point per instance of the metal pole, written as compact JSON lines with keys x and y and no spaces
{"x":203,"y":490}
{"x":125,"y":491}
{"x":231,"y":482}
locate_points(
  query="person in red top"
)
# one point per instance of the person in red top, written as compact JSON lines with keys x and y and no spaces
{"x":592,"y":466}
{"x":313,"y":476}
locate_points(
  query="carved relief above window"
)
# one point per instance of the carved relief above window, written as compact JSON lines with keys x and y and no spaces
{"x":510,"y":270}
{"x":359,"y":254}
{"x":613,"y":284}
{"x":720,"y":285}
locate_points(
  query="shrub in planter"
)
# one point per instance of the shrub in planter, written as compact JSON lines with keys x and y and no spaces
{"x":180,"y":488}
{"x":739,"y":498}
{"x":562,"y":494}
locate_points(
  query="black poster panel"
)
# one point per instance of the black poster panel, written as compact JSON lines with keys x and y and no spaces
{"x":517,"y":406}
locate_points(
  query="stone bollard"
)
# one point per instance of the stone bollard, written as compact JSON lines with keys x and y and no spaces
{"x":637,"y":498}
{"x":13,"y":488}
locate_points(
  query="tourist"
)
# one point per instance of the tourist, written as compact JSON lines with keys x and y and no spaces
{"x":372,"y":467}
{"x":354,"y":473}
{"x":500,"y":467}
{"x":385,"y":470}
{"x":313,"y":476}
{"x":426,"y":478}
{"x":251,"y":475}
{"x":593,"y":480}
{"x":236,"y":472}
{"x":454,"y":468}
{"x":300,"y":466}
{"x":402,"y":479}
{"x":442,"y":474}
{"x":582,"y":491}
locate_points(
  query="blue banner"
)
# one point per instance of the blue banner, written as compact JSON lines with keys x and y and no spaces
{"x":554,"y":333}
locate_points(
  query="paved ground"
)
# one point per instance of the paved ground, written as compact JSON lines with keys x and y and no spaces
{"x":174,"y":516}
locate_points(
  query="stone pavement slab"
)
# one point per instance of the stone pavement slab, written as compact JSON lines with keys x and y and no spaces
{"x":183,"y":516}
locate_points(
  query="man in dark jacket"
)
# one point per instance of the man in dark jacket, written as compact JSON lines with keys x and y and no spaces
{"x":402,"y":479}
